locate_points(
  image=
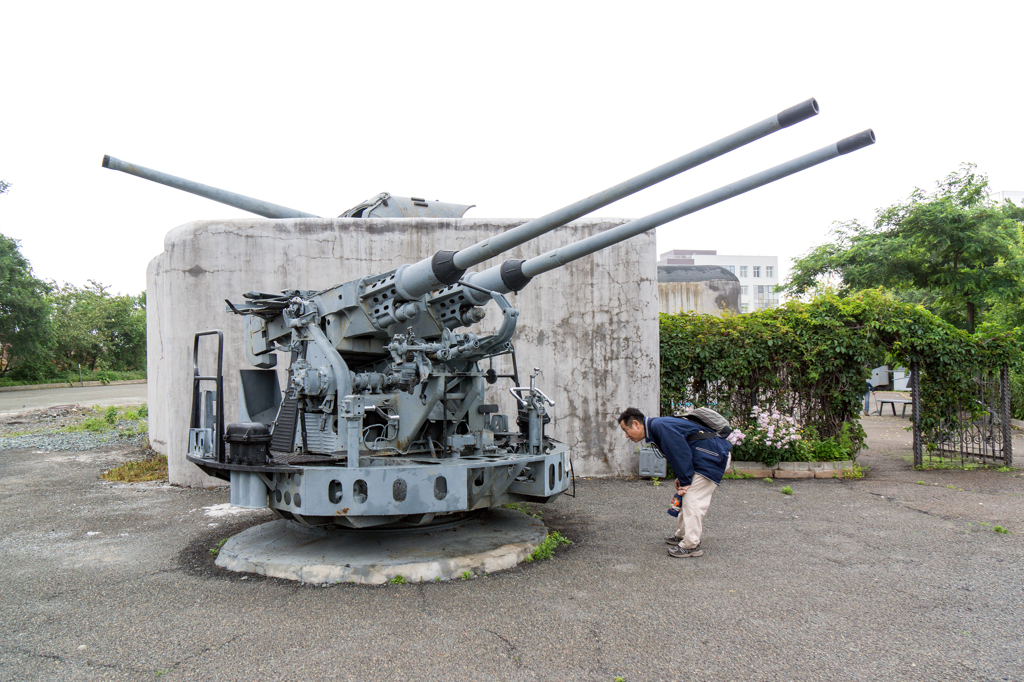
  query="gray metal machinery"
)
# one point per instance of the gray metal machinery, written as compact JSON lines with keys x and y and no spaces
{"x":384,"y":421}
{"x":384,"y":205}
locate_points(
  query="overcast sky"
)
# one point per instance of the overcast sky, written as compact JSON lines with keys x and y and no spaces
{"x":519,"y":108}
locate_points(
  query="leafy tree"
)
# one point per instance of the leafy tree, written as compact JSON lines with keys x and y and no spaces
{"x":24,"y":313}
{"x":952,"y":250}
{"x":97,"y":330}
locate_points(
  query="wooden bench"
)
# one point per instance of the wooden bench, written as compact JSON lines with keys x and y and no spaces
{"x":893,"y":402}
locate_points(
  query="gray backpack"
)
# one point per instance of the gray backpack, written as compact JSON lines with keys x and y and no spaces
{"x":709,"y":419}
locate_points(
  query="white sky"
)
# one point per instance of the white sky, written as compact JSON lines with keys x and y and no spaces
{"x":519,"y":108}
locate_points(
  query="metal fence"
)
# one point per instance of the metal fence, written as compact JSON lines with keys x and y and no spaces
{"x":979,"y":432}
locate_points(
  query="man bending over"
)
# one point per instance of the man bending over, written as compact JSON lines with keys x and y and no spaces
{"x":698,"y":458}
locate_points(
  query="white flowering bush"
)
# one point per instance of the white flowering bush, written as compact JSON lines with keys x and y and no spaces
{"x":771,"y":437}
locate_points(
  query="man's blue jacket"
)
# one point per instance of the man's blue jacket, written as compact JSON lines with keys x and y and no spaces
{"x":705,"y":457}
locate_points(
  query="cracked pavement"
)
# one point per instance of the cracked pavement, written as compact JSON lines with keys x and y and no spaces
{"x":880,"y":578}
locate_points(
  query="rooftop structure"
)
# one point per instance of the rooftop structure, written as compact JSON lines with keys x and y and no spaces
{"x":757,"y":275}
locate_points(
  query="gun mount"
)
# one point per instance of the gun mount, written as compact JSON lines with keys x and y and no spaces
{"x":384,"y":419}
{"x":384,"y":205}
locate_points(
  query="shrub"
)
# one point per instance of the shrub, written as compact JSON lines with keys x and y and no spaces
{"x":810,"y":360}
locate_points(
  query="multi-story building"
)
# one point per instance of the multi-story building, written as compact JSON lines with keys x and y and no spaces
{"x":758,"y":275}
{"x":1015,"y":197}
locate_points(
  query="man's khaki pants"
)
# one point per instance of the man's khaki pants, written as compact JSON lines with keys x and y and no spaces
{"x":696,"y":502}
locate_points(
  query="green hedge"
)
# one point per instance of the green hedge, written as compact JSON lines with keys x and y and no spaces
{"x":812,"y":360}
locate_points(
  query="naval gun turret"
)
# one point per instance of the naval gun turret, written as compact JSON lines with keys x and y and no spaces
{"x":385,"y":419}
{"x":383,"y":205}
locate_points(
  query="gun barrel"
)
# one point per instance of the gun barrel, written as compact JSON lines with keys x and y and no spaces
{"x":448,"y":267}
{"x":522,"y":271}
{"x":263,"y":208}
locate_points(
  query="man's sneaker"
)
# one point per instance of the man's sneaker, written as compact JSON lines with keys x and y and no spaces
{"x":680,"y":553}
{"x":672,"y":540}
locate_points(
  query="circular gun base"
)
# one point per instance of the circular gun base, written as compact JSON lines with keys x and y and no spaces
{"x":494,"y":541}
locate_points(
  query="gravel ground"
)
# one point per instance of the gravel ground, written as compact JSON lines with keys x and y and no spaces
{"x":897,"y":576}
{"x":42,"y":430}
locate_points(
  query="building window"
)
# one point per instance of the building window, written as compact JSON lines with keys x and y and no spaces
{"x":743,"y":271}
{"x":743,"y":290}
{"x":769,"y":271}
{"x":766,"y":296}
{"x":757,"y":271}
{"x":731,"y":268}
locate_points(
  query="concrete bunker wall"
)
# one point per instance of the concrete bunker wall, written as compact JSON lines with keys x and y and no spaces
{"x":697,"y":288}
{"x":590,"y":326}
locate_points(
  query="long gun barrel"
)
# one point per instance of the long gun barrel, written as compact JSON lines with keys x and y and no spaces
{"x":263,"y":208}
{"x":513,"y":275}
{"x":447,"y":267}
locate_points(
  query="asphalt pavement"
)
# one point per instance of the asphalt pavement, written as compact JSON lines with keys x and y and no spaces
{"x":898,"y":576}
{"x":86,"y":396}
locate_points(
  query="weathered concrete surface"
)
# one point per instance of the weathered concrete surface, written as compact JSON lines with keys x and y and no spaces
{"x":591,"y":326}
{"x":496,"y":541}
{"x":697,"y":288}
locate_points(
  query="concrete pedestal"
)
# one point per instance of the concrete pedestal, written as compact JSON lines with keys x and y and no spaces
{"x":497,"y":540}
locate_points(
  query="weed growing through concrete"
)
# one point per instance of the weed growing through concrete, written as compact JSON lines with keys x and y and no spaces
{"x":437,"y":578}
{"x":518,"y":506}
{"x":398,"y":580}
{"x":1000,"y":529}
{"x":546,"y":549}
{"x":921,"y":483}
{"x":152,"y":468}
{"x":655,"y":481}
{"x":732,"y":475}
{"x":466,"y":575}
{"x":619,"y":679}
{"x":216,"y":550}
{"x":856,"y":472}
{"x":769,"y":480}
{"x":786,"y":490}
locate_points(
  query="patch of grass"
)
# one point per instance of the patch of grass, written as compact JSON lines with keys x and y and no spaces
{"x":517,"y":506}
{"x":856,"y":472}
{"x":733,"y":475}
{"x":214,"y":551}
{"x":110,"y":416}
{"x":1000,"y":529}
{"x":94,"y":424}
{"x":768,"y":479}
{"x":398,"y":580}
{"x":466,"y":575}
{"x":938,"y":463}
{"x":546,"y":549}
{"x":786,"y":490}
{"x":152,"y":468}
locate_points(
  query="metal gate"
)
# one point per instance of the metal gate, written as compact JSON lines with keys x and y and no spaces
{"x":979,"y":433}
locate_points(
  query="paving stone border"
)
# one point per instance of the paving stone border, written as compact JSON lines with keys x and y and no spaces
{"x":792,"y":469}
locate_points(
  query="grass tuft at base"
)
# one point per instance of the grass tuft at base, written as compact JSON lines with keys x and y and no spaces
{"x":152,"y":468}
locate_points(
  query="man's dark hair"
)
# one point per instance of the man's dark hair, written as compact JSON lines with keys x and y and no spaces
{"x":630,"y":415}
